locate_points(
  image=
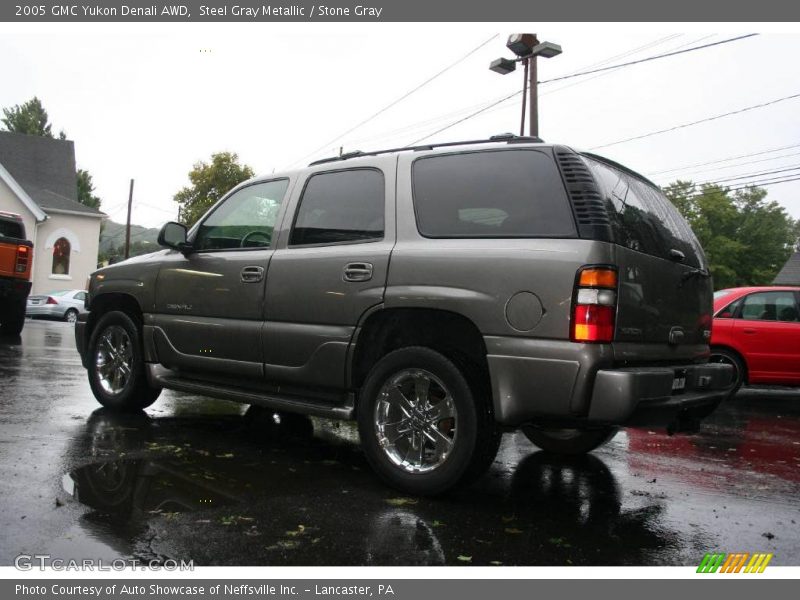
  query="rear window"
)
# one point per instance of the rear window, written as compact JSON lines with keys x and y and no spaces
{"x":642,"y":218}
{"x":491,"y":194}
{"x":12,"y":229}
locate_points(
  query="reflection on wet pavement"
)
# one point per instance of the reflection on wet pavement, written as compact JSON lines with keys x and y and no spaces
{"x":223,"y":485}
{"x":302,"y":498}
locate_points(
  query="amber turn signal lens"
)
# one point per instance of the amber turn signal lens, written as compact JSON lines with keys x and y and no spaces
{"x":598,"y":277}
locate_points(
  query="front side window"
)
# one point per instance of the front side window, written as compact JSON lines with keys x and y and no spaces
{"x":61,"y":252}
{"x":246,"y":219}
{"x":770,"y":306}
{"x":341,"y":207}
{"x":491,"y":194}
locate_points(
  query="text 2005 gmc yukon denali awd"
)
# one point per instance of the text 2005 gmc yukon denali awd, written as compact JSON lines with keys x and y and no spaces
{"x":438,"y":295}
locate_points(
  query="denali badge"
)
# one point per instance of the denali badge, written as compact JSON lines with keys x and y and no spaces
{"x":179,"y":307}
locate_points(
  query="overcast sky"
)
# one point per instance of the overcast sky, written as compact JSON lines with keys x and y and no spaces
{"x":148,"y":101}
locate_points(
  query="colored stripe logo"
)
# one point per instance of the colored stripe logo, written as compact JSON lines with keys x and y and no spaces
{"x":738,"y":562}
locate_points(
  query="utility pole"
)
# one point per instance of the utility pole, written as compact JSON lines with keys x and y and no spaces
{"x":524,"y":98}
{"x":533,"y":90}
{"x":128,"y":223}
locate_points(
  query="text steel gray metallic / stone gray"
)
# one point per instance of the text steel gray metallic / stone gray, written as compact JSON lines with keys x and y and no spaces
{"x":400,"y":11}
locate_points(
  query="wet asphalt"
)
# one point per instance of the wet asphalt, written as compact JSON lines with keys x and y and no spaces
{"x":213,"y":482}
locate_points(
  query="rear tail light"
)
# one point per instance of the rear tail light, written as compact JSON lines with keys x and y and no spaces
{"x":23,"y":256}
{"x":595,"y":306}
{"x":51,"y":300}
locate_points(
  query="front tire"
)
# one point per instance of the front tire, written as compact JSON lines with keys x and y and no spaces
{"x":116,"y":364}
{"x":569,"y":441}
{"x":423,"y":427}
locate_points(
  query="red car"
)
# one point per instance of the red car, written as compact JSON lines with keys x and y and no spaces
{"x":757,"y":330}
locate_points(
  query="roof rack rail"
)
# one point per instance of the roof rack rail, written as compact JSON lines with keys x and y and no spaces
{"x":509,"y":138}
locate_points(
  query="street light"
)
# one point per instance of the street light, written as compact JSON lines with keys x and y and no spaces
{"x":504,"y":66}
{"x":527,"y":48}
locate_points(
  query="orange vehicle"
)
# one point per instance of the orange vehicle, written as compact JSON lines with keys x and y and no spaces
{"x":16,"y":258}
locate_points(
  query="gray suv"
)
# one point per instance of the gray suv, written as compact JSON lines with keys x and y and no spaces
{"x":439,"y":295}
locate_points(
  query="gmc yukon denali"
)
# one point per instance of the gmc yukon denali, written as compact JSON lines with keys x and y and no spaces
{"x":438,"y":295}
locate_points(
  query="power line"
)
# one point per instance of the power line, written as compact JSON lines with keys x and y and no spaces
{"x":161,"y":208}
{"x":689,"y":174}
{"x":749,"y":175}
{"x":764,"y":183}
{"x":698,"y":122}
{"x":468,"y":117}
{"x":609,"y":72}
{"x":606,"y":73}
{"x":649,"y":58}
{"x":730,"y":158}
{"x":582,"y":73}
{"x":400,"y":99}
{"x":421,"y":125}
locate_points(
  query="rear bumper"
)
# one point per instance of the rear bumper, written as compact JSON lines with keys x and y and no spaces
{"x":577,"y":384}
{"x":644,"y":396}
{"x":45,"y":310}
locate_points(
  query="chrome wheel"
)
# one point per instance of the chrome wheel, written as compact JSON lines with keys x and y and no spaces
{"x":113,"y":359}
{"x":72,"y":316}
{"x":415,"y":420}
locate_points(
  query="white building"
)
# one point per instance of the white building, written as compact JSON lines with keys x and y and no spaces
{"x":38,"y":182}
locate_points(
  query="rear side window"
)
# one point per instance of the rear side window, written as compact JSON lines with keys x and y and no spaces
{"x":341,"y":207}
{"x":770,"y":306}
{"x":642,"y":218}
{"x":12,"y":229}
{"x":491,"y":194}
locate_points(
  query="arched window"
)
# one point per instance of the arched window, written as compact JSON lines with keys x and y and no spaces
{"x":61,"y":251}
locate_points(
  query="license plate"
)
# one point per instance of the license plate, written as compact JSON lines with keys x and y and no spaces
{"x":35,"y":301}
{"x":679,"y":383}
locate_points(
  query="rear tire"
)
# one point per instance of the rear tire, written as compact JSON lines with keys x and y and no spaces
{"x":13,"y":318}
{"x":729,"y":357}
{"x":71,"y":315}
{"x":422,"y":426}
{"x":116,"y":364}
{"x":569,"y":441}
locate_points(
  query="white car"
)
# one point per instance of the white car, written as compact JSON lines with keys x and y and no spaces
{"x":64,"y":304}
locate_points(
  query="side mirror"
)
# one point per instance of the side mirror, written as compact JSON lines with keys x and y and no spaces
{"x":173,"y":235}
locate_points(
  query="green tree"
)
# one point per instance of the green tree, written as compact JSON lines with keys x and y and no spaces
{"x":209,"y":182}
{"x":29,"y":118}
{"x":86,"y":189}
{"x":747,"y":239}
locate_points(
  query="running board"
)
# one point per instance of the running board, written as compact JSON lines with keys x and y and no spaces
{"x":162,"y":377}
